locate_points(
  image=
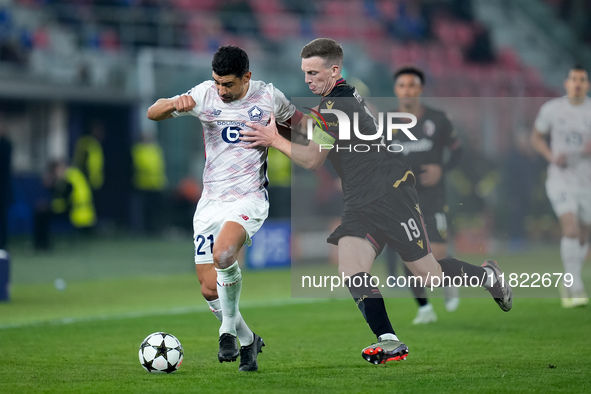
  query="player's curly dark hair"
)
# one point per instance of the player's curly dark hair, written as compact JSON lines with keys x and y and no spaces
{"x":410,"y":70}
{"x":230,"y":60}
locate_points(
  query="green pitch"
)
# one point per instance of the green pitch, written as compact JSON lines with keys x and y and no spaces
{"x":85,"y":337}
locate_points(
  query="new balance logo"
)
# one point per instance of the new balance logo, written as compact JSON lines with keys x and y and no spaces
{"x":216,"y":112}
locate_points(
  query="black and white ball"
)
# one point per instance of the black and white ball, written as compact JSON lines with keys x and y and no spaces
{"x":161,"y":352}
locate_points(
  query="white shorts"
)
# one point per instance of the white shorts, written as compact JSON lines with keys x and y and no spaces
{"x":211,"y":215}
{"x":569,"y":199}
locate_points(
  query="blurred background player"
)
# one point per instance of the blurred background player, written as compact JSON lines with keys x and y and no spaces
{"x":567,"y":120}
{"x":435,"y":134}
{"x":149,"y":181}
{"x":379,"y":209}
{"x":234,"y":203}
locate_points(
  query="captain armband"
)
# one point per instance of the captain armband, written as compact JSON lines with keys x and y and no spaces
{"x":321,"y":137}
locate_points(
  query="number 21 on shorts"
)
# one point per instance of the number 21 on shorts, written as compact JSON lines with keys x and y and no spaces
{"x":202,"y":247}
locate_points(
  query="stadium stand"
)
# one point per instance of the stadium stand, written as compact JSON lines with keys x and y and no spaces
{"x":90,"y":36}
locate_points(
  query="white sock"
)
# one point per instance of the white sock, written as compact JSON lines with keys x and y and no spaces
{"x":570,"y":252}
{"x":244,"y":333}
{"x":216,"y":308}
{"x":388,"y":337}
{"x":229,"y":282}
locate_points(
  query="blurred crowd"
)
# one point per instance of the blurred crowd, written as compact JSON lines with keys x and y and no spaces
{"x":577,"y":13}
{"x":442,"y":36}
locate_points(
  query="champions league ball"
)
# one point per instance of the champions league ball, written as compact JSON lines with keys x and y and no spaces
{"x":161,"y":352}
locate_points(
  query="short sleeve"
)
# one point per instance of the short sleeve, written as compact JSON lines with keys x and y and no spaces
{"x":198,"y":93}
{"x":282,"y":107}
{"x":543,"y":120}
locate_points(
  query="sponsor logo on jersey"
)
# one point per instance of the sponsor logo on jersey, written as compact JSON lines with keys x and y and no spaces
{"x":422,"y":145}
{"x":231,"y":134}
{"x":216,"y":112}
{"x":243,"y":216}
{"x":255,"y":114}
{"x":230,"y":123}
{"x":420,"y":243}
{"x":329,"y":104}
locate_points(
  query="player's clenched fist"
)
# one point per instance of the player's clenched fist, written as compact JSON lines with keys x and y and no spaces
{"x":184,"y":103}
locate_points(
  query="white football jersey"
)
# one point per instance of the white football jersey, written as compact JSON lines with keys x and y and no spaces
{"x":232,"y":171}
{"x":569,"y":127}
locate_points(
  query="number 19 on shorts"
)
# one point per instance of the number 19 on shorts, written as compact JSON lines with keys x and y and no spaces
{"x":412,"y":229}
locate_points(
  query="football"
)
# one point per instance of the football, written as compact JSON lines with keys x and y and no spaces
{"x":161,"y":352}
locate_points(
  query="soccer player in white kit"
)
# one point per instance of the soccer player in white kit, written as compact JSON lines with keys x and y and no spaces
{"x":567,"y":120}
{"x":234,"y":203}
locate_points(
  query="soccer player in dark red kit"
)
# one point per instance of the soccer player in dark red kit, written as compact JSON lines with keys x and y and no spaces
{"x":381,"y":203}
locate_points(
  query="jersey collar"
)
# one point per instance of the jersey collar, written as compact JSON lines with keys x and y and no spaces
{"x":340,"y":81}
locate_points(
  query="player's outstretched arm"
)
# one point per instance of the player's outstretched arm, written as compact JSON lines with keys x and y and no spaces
{"x":308,"y":156}
{"x":163,"y":108}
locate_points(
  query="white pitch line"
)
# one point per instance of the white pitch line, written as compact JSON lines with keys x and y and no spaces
{"x":165,"y":312}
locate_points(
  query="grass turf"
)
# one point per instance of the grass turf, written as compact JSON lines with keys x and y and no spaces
{"x":85,"y":338}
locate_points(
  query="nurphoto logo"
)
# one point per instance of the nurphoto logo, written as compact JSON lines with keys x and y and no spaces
{"x":344,"y":126}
